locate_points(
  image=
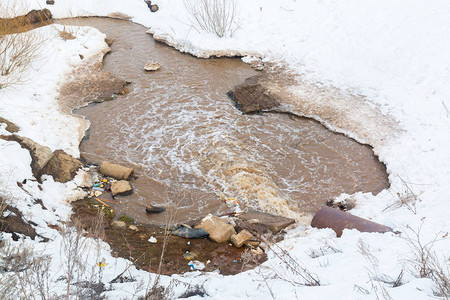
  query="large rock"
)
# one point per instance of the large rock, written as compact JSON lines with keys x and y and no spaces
{"x":259,"y":222}
{"x":40,"y":155}
{"x":240,"y":239}
{"x":219,"y":231}
{"x":121,"y":187}
{"x":252,"y":96}
{"x":62,"y":166}
{"x":37,"y":16}
{"x":116,"y":171}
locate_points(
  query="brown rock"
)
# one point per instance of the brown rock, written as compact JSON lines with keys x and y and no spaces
{"x":62,"y":166}
{"x":259,"y":222}
{"x":121,"y":187}
{"x":154,"y":8}
{"x":252,"y":96}
{"x":219,"y":231}
{"x":151,"y":65}
{"x":240,"y":239}
{"x":119,"y":224}
{"x":40,"y":155}
{"x":116,"y":171}
{"x":37,"y":16}
{"x":10,"y":126}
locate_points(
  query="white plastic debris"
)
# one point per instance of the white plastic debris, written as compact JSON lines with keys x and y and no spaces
{"x":196,"y":265}
{"x":152,"y":240}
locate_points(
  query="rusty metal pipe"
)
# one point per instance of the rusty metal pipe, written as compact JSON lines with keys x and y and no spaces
{"x":328,"y":217}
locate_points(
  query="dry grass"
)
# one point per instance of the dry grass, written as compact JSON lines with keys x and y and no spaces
{"x":215,"y":16}
{"x":405,"y":197}
{"x":426,"y":262}
{"x":17,"y":51}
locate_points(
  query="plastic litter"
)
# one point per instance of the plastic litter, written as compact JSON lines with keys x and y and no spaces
{"x":189,"y":233}
{"x":152,"y":240}
{"x":196,"y":265}
{"x":102,"y":263}
{"x":189,"y":255}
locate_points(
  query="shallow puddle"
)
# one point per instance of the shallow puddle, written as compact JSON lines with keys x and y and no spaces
{"x":189,"y":145}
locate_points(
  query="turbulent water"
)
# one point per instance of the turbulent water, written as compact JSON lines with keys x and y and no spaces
{"x":191,"y":148}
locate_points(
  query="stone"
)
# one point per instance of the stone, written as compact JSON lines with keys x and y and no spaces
{"x":119,"y":224}
{"x":133,"y":227}
{"x":251,"y":96}
{"x":241,"y":238}
{"x":151,"y":209}
{"x":121,"y":187}
{"x":151,"y":65}
{"x":116,"y":171}
{"x":62,"y":166}
{"x":219,"y":231}
{"x":37,"y":16}
{"x":10,"y":126}
{"x":259,"y":222}
{"x":154,"y":8}
{"x":40,"y":155}
{"x":50,"y":2}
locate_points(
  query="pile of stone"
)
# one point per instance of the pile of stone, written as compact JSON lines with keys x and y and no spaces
{"x":241,"y":230}
{"x":121,"y":174}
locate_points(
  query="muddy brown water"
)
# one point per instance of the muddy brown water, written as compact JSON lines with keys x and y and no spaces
{"x":189,"y":145}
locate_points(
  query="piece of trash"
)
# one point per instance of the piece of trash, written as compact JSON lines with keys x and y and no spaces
{"x":102,"y":263}
{"x":196,"y":265}
{"x":208,"y":262}
{"x":189,"y":255}
{"x":188,"y":243}
{"x":152,"y":239}
{"x":97,"y":193}
{"x":189,"y":233}
{"x":328,"y":217}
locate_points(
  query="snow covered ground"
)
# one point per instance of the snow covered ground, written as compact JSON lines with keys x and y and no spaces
{"x":395,"y":54}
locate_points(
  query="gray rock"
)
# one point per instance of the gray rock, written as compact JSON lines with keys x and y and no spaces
{"x":121,"y":187}
{"x":259,"y":222}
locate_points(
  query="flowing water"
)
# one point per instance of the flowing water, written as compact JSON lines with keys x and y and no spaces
{"x":190,"y":147}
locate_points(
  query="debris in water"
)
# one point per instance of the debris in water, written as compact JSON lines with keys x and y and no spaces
{"x":151,"y":209}
{"x":151,"y":65}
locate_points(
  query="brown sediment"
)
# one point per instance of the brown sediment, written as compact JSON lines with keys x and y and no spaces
{"x":134,"y":245}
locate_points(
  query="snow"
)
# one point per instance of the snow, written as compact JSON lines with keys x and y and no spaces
{"x":395,"y":54}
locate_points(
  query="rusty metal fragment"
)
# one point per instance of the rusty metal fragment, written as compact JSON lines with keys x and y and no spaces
{"x":338,"y":220}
